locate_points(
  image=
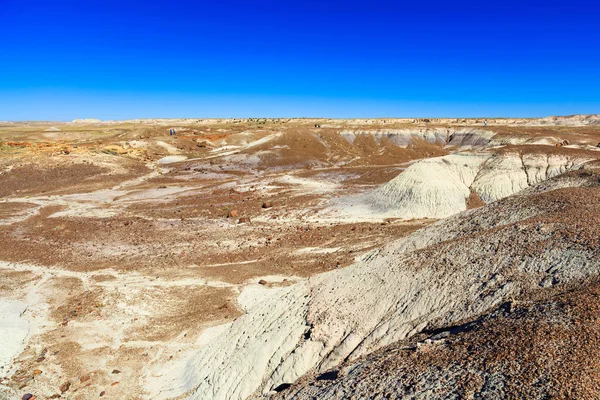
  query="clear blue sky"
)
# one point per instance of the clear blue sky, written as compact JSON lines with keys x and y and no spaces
{"x":108,"y":59}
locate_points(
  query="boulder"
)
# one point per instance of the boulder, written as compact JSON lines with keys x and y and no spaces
{"x":65,"y":386}
{"x":233,"y":214}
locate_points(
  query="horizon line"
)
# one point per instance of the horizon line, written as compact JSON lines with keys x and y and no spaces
{"x":99,"y":120}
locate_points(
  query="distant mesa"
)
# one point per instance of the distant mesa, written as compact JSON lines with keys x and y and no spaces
{"x":87,"y":121}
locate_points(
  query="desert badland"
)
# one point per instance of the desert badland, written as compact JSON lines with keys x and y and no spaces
{"x":300,"y":258}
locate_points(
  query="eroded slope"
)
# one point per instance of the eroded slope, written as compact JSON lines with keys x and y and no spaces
{"x":539,"y":347}
{"x":537,"y":240}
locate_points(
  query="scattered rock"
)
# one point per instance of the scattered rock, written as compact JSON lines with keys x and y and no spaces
{"x":244,"y":220}
{"x":65,"y":386}
{"x":84,"y":378}
{"x":27,"y":396}
{"x":233,"y":214}
{"x":114,"y":383}
{"x":102,"y":393}
{"x":116,"y":371}
{"x":267,"y":204}
{"x":37,"y":371}
{"x":262,"y":282}
{"x":55,"y":396}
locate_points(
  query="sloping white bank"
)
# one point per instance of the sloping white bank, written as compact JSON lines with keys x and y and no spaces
{"x":13,"y":331}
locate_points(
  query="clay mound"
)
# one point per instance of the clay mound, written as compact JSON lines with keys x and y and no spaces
{"x":432,"y":188}
{"x":438,"y":277}
{"x":440,"y":187}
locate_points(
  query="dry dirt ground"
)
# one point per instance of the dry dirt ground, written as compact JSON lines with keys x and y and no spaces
{"x":125,"y":243}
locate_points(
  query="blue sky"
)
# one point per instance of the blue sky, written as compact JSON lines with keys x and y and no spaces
{"x":108,"y":59}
